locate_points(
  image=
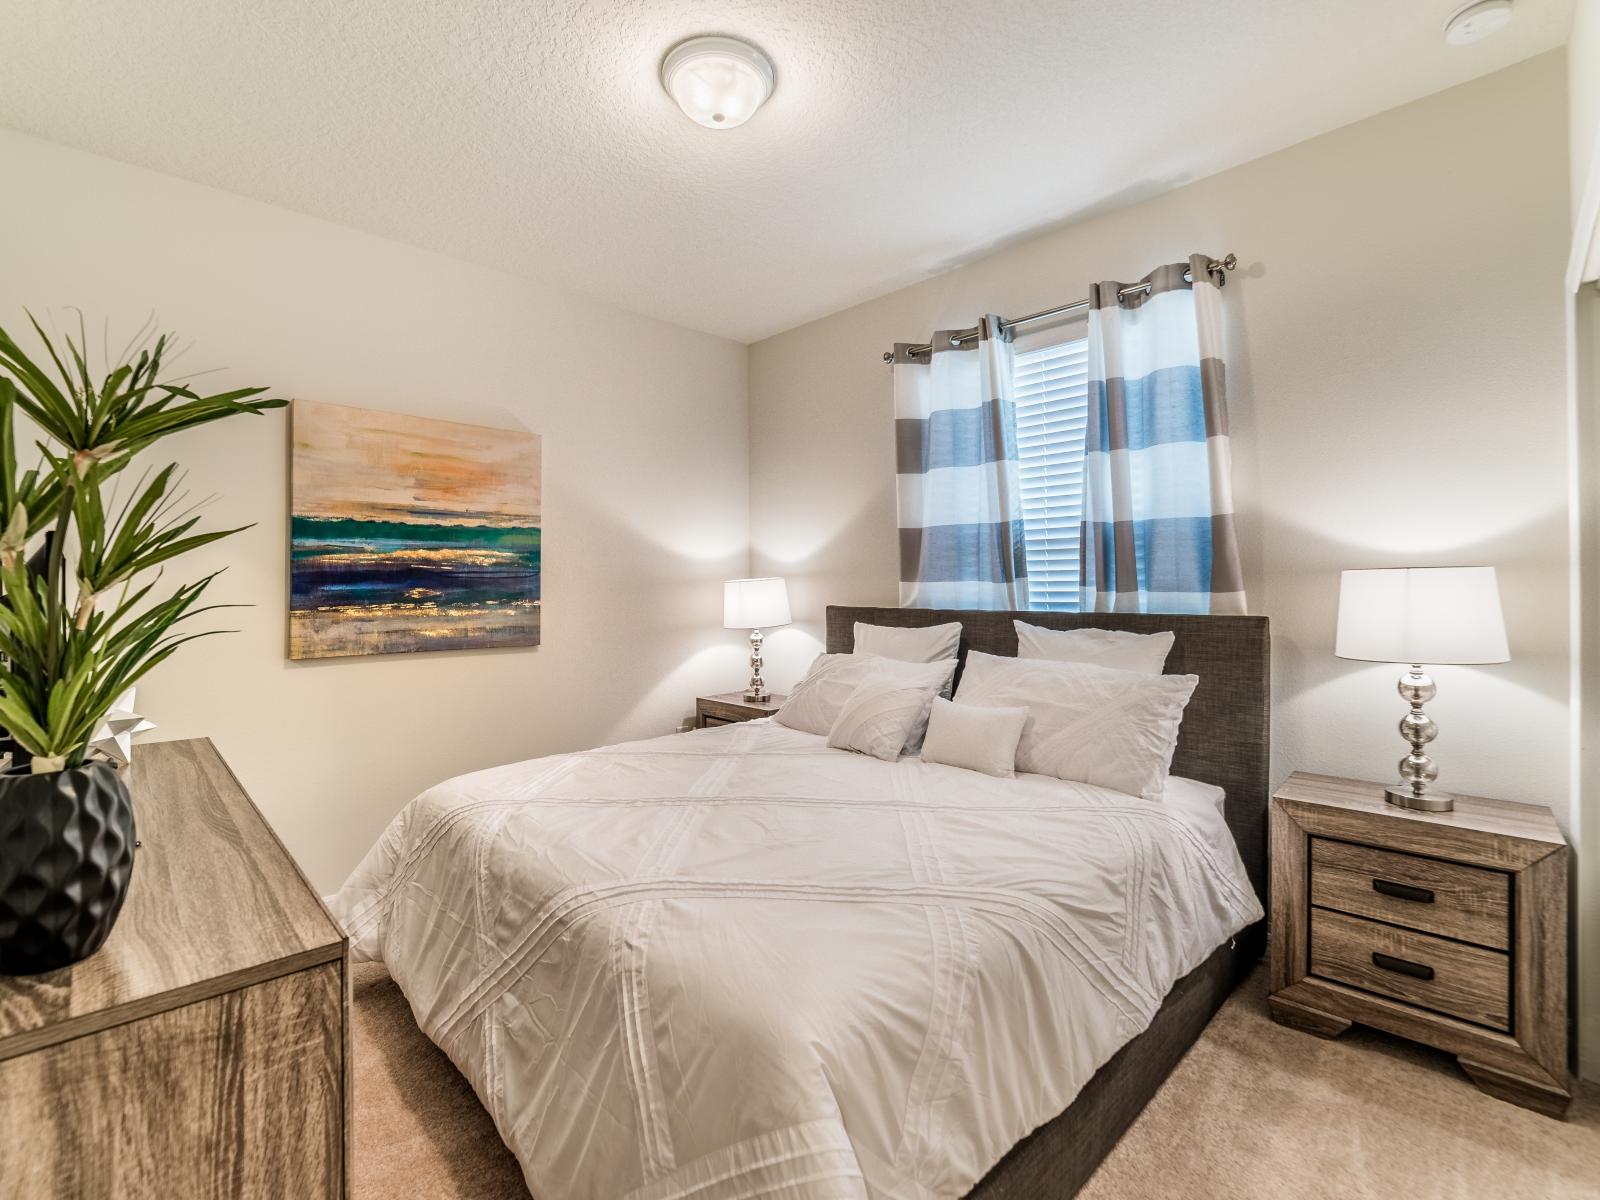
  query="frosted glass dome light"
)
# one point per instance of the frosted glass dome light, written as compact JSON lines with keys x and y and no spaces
{"x":719,"y":82}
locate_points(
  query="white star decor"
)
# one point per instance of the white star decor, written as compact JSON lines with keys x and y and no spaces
{"x":113,"y":739}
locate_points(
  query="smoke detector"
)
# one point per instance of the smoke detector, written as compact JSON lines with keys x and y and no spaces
{"x":1477,"y":21}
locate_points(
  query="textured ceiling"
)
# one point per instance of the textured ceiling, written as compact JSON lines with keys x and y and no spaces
{"x":903,"y":138}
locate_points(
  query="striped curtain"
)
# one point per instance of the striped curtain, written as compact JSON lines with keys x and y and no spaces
{"x":1158,"y":532}
{"x":960,"y":503}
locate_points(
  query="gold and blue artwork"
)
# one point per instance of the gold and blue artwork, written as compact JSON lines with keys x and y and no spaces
{"x":408,"y":533}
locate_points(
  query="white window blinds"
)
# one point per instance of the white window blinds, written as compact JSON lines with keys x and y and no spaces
{"x":1052,"y":409}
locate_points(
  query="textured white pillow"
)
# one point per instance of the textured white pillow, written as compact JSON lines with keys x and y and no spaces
{"x":1113,"y":648}
{"x":879,"y":716}
{"x":1115,"y":729}
{"x":932,"y":643}
{"x":817,"y":700}
{"x":975,"y":737}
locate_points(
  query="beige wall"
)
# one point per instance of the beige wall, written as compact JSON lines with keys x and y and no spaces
{"x":645,"y":482}
{"x":1583,"y":82}
{"x":1398,"y":397}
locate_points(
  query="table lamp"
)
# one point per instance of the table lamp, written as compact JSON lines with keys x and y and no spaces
{"x":1417,"y":615}
{"x":755,"y":604}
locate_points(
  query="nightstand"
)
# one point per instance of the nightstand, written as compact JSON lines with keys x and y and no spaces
{"x":1445,"y":928}
{"x":729,"y":707}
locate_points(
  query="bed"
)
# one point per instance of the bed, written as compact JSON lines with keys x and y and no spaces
{"x":737,"y":963}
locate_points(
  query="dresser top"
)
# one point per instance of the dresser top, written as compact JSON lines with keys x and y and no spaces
{"x":215,"y":903}
{"x":1472,"y":814}
{"x":736,"y":700}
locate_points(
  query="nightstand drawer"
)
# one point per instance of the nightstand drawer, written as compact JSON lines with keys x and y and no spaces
{"x":1470,"y":904}
{"x":1449,"y":977}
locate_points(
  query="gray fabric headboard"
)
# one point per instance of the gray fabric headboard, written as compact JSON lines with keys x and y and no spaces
{"x":1224,"y":736}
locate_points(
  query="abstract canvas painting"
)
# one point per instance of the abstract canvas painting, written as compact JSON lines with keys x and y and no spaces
{"x":410,"y":534}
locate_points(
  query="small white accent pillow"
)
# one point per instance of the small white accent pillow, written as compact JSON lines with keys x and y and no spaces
{"x":932,"y":643}
{"x":1113,"y":648}
{"x":975,"y":737}
{"x":879,"y":716}
{"x":817,"y":700}
{"x":1114,"y":729}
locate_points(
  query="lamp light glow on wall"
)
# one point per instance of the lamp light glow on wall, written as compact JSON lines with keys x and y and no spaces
{"x":719,"y":82}
{"x":1417,"y":615}
{"x":755,"y":604}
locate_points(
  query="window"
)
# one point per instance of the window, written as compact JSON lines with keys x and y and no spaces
{"x":1052,"y":398}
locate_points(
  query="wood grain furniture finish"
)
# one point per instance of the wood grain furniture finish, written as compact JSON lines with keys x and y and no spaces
{"x":1449,"y":977}
{"x":1465,"y":903}
{"x":1223,"y":741}
{"x":204,"y":1051}
{"x":1445,"y":928}
{"x":726,"y":708}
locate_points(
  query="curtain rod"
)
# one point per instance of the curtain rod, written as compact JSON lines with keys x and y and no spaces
{"x":1061,"y":310}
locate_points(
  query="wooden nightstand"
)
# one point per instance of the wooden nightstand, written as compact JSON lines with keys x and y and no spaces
{"x":1445,"y":928}
{"x":727,"y":707}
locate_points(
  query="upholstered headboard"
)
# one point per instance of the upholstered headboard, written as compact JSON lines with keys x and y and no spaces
{"x":1224,"y":736}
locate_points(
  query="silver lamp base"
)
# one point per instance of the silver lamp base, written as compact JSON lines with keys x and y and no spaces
{"x":1402,"y":796}
{"x":1417,"y":770}
{"x":757,"y":692}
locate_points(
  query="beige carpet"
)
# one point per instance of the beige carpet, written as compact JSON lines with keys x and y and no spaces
{"x":1254,"y":1111}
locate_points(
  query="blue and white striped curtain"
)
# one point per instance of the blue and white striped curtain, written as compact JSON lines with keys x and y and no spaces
{"x":1158,"y":532}
{"x":961,"y":536}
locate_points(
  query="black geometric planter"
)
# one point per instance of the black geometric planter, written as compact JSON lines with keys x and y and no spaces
{"x":66,"y":855}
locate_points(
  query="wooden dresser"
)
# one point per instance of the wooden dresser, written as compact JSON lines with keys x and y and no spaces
{"x":204,"y":1051}
{"x":1446,"y":928}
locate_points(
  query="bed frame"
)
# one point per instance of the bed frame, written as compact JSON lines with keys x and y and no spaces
{"x":1223,"y":741}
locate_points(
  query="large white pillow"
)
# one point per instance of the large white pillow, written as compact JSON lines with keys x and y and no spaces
{"x":931,"y":643}
{"x":1114,"y":729}
{"x":817,"y":700}
{"x":1113,"y":648}
{"x":975,"y":737}
{"x":879,"y":716}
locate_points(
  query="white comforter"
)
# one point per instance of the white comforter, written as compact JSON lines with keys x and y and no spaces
{"x":737,"y":963}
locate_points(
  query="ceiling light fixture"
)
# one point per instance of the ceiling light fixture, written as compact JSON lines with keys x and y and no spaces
{"x":719,"y":82}
{"x":1477,"y":21}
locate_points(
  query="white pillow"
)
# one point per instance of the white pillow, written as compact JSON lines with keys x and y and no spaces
{"x":932,"y":643}
{"x":879,"y":716}
{"x":1115,"y":729}
{"x":1192,"y":792}
{"x":817,"y":700}
{"x":974,"y":737}
{"x":1114,"y":648}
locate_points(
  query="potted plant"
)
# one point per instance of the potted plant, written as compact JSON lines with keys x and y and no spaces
{"x":82,"y":617}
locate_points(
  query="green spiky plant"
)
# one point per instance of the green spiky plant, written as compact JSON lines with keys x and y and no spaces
{"x":78,"y":633}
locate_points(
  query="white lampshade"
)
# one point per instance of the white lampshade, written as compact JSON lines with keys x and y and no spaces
{"x":1437,"y":615}
{"x":754,"y":603}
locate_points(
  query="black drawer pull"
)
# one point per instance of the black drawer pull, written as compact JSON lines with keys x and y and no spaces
{"x":1402,"y":891}
{"x":1401,"y":966}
